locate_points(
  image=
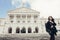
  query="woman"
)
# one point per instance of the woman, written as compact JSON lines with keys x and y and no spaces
{"x":50,"y":27}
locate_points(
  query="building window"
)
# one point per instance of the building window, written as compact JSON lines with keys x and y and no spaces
{"x":23,"y":30}
{"x":10,"y":30}
{"x":36,"y":30}
{"x":23,"y":21}
{"x":35,"y":21}
{"x":11,"y":16}
{"x":11,"y":21}
{"x":35,"y":16}
{"x":28,"y":21}
{"x":23,"y":16}
{"x":28,"y":16}
{"x":17,"y":30}
{"x":18,"y":16}
{"x":18,"y":21}
{"x":58,"y":23}
{"x":29,"y":30}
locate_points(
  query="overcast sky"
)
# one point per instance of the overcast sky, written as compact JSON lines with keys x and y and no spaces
{"x":45,"y":7}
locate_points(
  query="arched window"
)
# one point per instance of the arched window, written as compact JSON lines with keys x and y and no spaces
{"x":23,"y":30}
{"x":11,"y":16}
{"x":17,"y":30}
{"x":36,"y":30}
{"x":10,"y":30}
{"x":29,"y":30}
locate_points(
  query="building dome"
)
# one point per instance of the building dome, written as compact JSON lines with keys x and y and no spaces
{"x":25,"y":4}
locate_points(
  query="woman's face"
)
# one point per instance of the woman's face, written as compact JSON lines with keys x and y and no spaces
{"x":50,"y":18}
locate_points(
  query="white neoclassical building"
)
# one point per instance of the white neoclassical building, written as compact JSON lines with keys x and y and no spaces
{"x":24,"y":20}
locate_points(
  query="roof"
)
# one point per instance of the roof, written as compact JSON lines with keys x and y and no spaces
{"x":23,"y":10}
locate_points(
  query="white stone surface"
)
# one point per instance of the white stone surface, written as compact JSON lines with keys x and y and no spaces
{"x":5,"y":23}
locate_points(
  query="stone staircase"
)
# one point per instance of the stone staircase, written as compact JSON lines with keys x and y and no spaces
{"x":26,"y":37}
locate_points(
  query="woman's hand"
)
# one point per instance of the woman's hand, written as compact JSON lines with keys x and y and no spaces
{"x":52,"y":26}
{"x":51,"y":21}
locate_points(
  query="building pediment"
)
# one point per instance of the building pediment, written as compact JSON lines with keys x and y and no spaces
{"x":23,"y":10}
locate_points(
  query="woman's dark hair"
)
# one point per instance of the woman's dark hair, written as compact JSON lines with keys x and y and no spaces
{"x":51,"y":17}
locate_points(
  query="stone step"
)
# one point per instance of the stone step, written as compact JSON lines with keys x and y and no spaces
{"x":26,"y":38}
{"x":20,"y":37}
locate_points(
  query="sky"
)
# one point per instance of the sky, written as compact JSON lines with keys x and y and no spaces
{"x":5,"y":5}
{"x":45,"y":7}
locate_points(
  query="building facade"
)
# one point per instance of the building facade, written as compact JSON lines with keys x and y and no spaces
{"x":24,"y":20}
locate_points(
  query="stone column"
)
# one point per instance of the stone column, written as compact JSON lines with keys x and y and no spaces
{"x":26,"y":30}
{"x":14,"y":25}
{"x":13,"y":30}
{"x":14,"y":18}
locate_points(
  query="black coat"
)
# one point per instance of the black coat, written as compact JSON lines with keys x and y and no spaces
{"x":49,"y":29}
